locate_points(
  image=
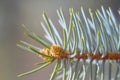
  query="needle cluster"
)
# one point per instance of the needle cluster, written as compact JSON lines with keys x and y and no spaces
{"x":88,"y":44}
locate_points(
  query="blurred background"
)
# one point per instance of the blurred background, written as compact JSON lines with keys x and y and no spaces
{"x":13,"y":13}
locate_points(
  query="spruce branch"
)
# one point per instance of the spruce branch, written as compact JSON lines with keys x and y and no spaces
{"x":87,"y":46}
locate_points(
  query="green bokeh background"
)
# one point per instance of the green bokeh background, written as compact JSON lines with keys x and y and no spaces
{"x":13,"y":13}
